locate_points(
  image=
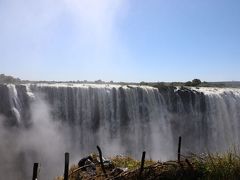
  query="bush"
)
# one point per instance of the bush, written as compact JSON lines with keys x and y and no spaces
{"x":194,"y":82}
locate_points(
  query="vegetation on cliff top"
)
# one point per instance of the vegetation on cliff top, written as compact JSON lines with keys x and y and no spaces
{"x":193,"y":83}
{"x":8,"y":79}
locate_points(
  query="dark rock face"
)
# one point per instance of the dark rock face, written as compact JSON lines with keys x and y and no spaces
{"x":5,"y":107}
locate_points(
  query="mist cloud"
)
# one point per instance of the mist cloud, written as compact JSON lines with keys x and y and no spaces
{"x":63,"y":34}
{"x":43,"y":142}
{"x":29,"y":27}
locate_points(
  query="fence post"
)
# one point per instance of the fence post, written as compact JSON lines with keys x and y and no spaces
{"x":66,"y":167}
{"x":142,"y":164}
{"x":179,"y":148}
{"x":101,"y":161}
{"x":35,"y":171}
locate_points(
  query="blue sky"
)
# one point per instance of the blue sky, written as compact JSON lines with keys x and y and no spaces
{"x":120,"y":40}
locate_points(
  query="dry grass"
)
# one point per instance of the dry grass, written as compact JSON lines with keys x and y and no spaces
{"x":128,"y":162}
{"x":218,"y":166}
{"x":205,"y":166}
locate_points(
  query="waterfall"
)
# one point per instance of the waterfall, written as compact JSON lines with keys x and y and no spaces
{"x":124,"y":119}
{"x":121,"y":119}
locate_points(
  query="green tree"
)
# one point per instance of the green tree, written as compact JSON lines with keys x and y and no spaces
{"x":196,"y":82}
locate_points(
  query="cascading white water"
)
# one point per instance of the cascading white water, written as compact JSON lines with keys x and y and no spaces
{"x":121,"y":119}
{"x":14,"y":102}
{"x":222,"y":118}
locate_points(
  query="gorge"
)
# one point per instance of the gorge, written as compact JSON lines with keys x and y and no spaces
{"x":39,"y":122}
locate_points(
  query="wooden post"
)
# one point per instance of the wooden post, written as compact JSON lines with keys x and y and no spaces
{"x":179,"y":148}
{"x":66,"y":167}
{"x":142,"y":164}
{"x":35,"y":171}
{"x":101,"y":161}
